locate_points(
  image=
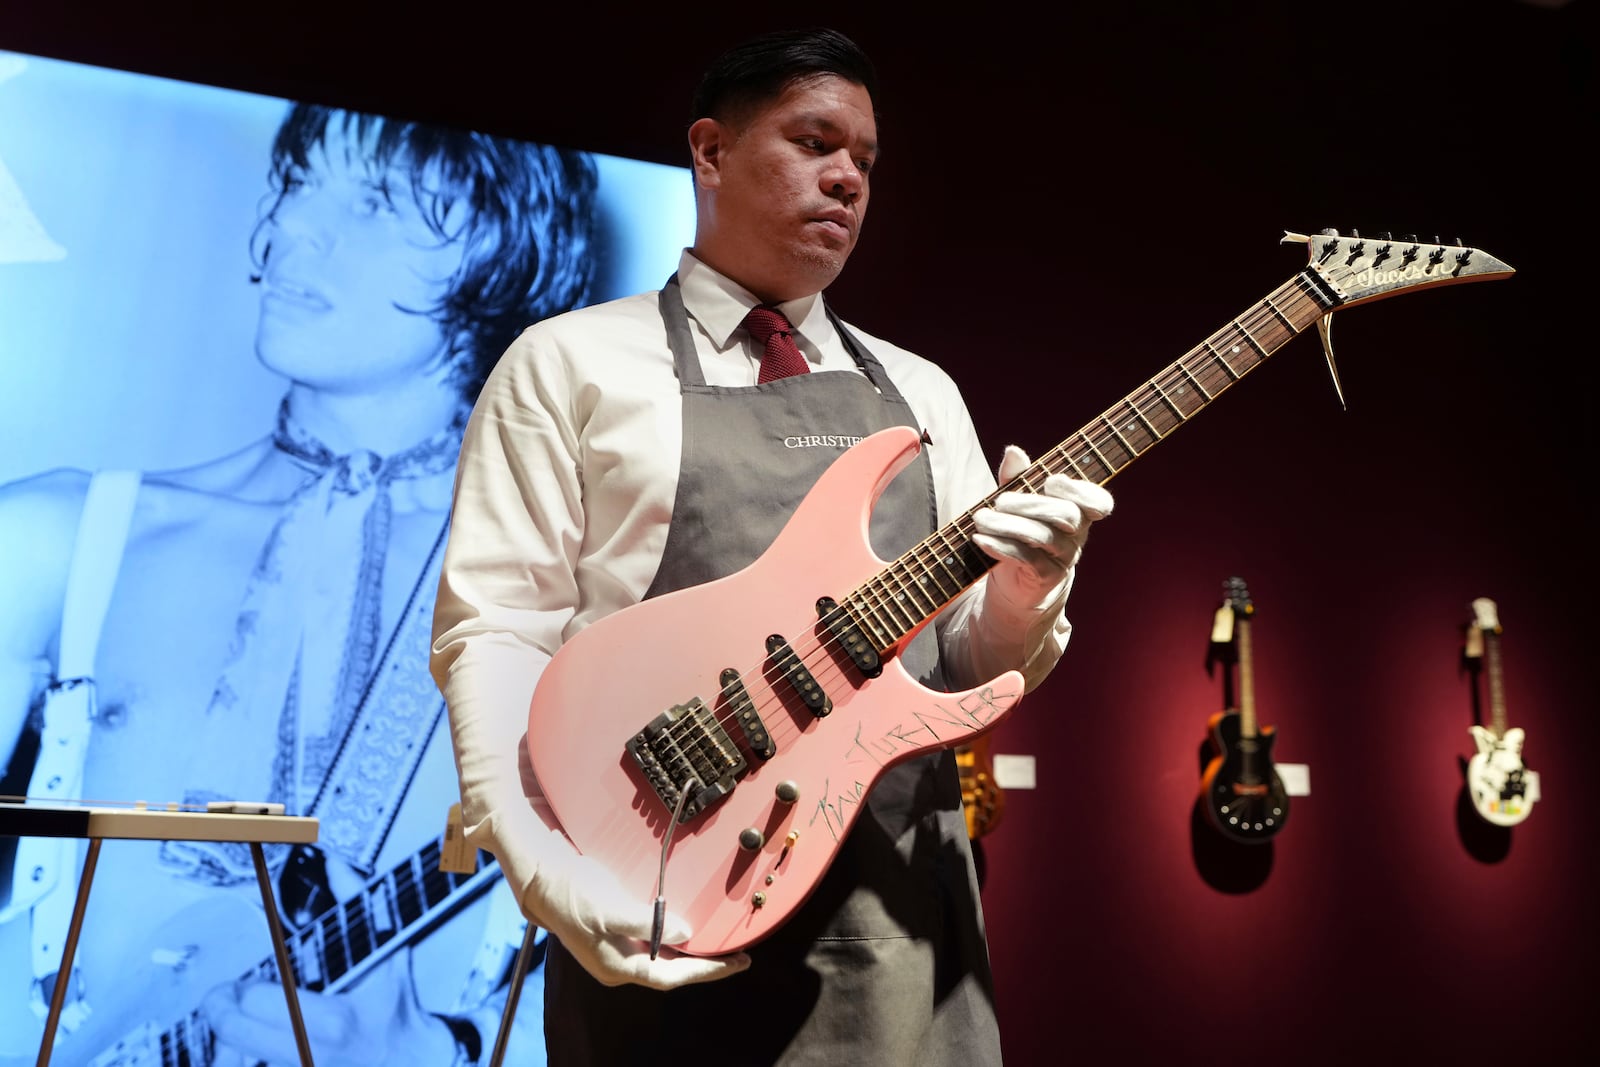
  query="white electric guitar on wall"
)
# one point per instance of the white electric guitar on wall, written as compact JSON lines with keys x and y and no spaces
{"x":1502,"y":788}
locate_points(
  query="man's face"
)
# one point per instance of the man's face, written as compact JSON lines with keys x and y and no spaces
{"x":351,"y":265}
{"x":786,"y":191}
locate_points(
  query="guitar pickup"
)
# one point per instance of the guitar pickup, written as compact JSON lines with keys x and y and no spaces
{"x":798,"y":675}
{"x":843,"y":626}
{"x":686,"y":743}
{"x":736,"y":699}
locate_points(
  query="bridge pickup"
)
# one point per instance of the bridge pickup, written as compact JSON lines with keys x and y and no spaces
{"x":842,"y":625}
{"x":798,"y":675}
{"x":736,"y":698}
{"x":685,"y":743}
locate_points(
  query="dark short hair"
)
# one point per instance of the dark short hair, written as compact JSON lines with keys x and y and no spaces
{"x":527,"y":241}
{"x":760,"y":69}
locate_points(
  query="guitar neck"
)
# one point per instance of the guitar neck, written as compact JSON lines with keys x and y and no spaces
{"x":1247,"y":684}
{"x":918,"y":585}
{"x":1497,"y":694}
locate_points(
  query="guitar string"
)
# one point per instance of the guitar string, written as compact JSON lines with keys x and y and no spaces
{"x":1295,"y":295}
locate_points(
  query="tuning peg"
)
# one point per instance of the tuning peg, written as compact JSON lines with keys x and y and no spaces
{"x":1385,"y":236}
{"x":1329,"y":231}
{"x":1436,"y":240}
{"x":1410,"y":237}
{"x":1460,"y":243}
{"x":1354,"y":232}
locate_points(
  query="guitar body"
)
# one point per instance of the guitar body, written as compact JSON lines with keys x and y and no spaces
{"x":609,"y":682}
{"x":1496,"y":777}
{"x":1243,"y":795}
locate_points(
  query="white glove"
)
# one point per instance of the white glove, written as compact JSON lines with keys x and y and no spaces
{"x":582,"y":904}
{"x":1036,"y":537}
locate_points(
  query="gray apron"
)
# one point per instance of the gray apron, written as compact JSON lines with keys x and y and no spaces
{"x":885,"y":963}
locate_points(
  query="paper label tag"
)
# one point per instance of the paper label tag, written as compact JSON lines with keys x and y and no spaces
{"x":1222,"y":625}
{"x":1296,"y":778}
{"x":455,"y":855}
{"x":1014,"y":772}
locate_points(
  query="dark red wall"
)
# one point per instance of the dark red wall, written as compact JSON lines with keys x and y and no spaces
{"x":1066,"y":205}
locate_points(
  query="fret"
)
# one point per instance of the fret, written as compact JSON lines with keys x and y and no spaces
{"x":1293,"y":329}
{"x":358,"y":928}
{"x":1158,"y":421}
{"x":1227,"y":367}
{"x":1184,"y":366}
{"x":945,"y":557}
{"x":1083,"y":465}
{"x":1072,"y":467}
{"x":1177,"y":412}
{"x":883,"y":622}
{"x":381,"y":905}
{"x":1131,"y":430}
{"x":438,"y":883}
{"x":1248,"y":336}
{"x":408,"y":894}
{"x":292,"y":947}
{"x":336,"y":950}
{"x":904,"y":595}
{"x":925,"y":603}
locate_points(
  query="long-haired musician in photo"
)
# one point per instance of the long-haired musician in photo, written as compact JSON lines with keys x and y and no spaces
{"x":266,"y":631}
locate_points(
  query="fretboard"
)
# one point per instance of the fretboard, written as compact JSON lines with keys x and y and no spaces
{"x":1497,"y":694}
{"x":910,"y":591}
{"x":1247,"y":679}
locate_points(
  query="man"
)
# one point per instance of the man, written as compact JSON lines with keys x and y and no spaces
{"x":265,"y":635}
{"x":584,"y":488}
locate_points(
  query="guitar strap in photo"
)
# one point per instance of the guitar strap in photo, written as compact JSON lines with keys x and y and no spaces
{"x":42,"y":875}
{"x":380,"y":752}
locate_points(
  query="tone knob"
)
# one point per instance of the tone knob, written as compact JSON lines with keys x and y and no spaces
{"x":788,"y":791}
{"x":751,"y":839}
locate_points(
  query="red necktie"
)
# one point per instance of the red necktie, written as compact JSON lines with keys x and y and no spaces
{"x":782,"y":357}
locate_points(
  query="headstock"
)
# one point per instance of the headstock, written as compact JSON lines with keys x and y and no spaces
{"x":1485,"y":615}
{"x":1238,"y":597}
{"x":1359,"y":269}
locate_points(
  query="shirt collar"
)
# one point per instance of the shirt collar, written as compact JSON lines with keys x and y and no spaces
{"x":719,"y":304}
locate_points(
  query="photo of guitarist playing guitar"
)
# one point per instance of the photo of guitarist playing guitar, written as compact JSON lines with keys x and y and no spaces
{"x":645,"y":461}
{"x":256,"y":627}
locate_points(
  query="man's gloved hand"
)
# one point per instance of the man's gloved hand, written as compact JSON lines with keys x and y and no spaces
{"x":1036,"y":537}
{"x":581,"y":903}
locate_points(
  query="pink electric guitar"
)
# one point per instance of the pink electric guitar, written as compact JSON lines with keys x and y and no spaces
{"x":714,"y":746}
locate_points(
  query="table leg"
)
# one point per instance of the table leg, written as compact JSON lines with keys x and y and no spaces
{"x":285,"y":970}
{"x":518,"y":973}
{"x":58,"y":996}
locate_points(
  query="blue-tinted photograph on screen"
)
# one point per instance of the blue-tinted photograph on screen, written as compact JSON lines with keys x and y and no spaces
{"x":239,"y":339}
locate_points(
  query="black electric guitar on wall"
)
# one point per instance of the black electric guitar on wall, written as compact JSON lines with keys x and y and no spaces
{"x":1497,"y":778}
{"x":1243,"y":795}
